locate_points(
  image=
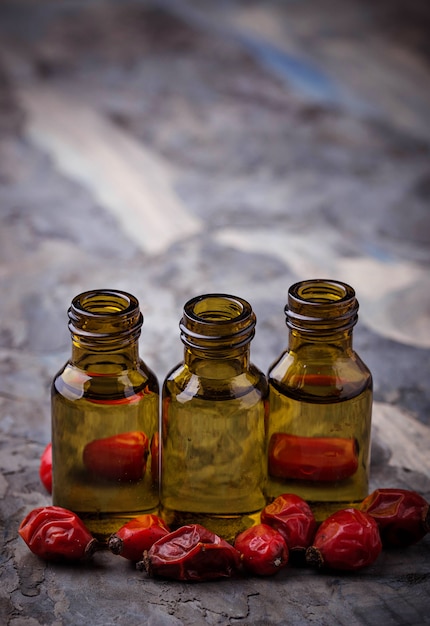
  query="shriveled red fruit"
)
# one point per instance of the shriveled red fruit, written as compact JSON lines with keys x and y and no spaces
{"x":137,"y":535}
{"x":347,"y":540}
{"x":121,"y":457}
{"x":262,"y":549}
{"x":45,"y":468}
{"x":403,"y":516}
{"x":192,"y":553}
{"x":56,"y":534}
{"x":291,"y":516}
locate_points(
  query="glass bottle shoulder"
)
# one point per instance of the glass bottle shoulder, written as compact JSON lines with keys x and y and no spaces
{"x":109,"y":383}
{"x":323,"y":371}
{"x":220,"y":383}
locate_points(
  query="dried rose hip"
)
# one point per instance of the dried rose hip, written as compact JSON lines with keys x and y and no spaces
{"x":262,"y":549}
{"x":192,"y":553}
{"x":291,"y":516}
{"x":403,"y":516}
{"x":138,"y":535}
{"x":312,"y":458}
{"x":54,"y":534}
{"x":45,"y":468}
{"x":121,"y":457}
{"x":347,"y":540}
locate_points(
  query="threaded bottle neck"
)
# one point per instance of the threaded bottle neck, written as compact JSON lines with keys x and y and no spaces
{"x":320,"y":308}
{"x":104,"y":320}
{"x":217,"y":325}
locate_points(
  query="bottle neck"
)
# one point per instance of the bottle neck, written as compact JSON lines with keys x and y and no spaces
{"x":105,"y":327}
{"x":300,"y":341}
{"x":216,"y":330}
{"x":321,"y":312}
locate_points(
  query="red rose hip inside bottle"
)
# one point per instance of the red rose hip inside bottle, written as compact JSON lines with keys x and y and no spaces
{"x":105,"y":409}
{"x":320,"y":391}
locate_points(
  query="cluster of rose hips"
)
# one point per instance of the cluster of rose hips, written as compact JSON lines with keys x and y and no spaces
{"x":348,"y":540}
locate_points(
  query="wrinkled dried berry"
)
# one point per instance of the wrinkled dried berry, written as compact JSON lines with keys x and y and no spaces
{"x":347,"y":540}
{"x":192,"y":553}
{"x":136,"y":536}
{"x":403,"y":516}
{"x":262,"y":549}
{"x":56,"y":534}
{"x":291,"y":516}
{"x":45,"y":468}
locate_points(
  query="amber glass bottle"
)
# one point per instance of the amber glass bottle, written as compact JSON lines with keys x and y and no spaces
{"x":105,"y":409}
{"x":213,"y":421}
{"x":320,"y":391}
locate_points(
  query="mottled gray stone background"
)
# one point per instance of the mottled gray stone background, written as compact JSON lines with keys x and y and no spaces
{"x":172,"y":148}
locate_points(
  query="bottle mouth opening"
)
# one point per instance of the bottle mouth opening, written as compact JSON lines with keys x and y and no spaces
{"x":104,"y":302}
{"x":217,"y":309}
{"x":217,"y":321}
{"x":105,"y":315}
{"x":321,"y":306}
{"x":320,"y":291}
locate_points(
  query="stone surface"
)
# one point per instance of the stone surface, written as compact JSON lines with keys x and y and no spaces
{"x":173,"y":148}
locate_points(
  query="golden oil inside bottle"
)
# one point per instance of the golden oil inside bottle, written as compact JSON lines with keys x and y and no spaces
{"x":320,"y":398}
{"x":323,"y":417}
{"x":104,"y":503}
{"x":213,"y":425}
{"x":105,"y":408}
{"x":215,"y":467}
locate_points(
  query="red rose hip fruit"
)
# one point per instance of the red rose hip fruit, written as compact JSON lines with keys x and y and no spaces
{"x":262,"y":549}
{"x":347,"y":540}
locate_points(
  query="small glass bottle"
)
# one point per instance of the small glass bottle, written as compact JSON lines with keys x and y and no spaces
{"x":213,"y":421}
{"x":105,"y":416}
{"x":320,"y":398}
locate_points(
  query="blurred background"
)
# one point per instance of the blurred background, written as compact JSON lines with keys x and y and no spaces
{"x":174,"y":148}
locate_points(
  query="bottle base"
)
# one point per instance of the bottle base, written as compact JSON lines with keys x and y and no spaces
{"x":322,"y":510}
{"x":323,"y":498}
{"x":103,"y":525}
{"x":226,"y":526}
